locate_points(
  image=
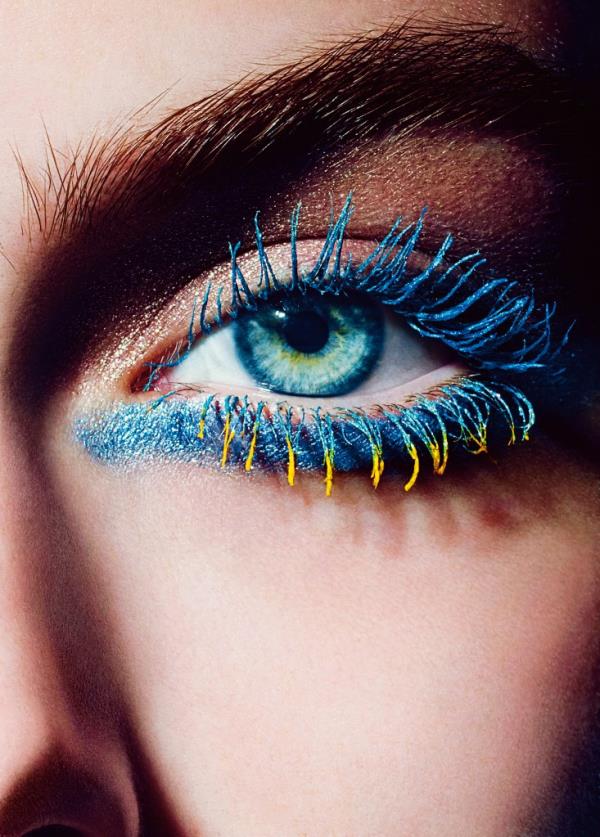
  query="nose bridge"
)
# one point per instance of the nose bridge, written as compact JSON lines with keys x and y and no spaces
{"x":58,"y":721}
{"x":28,"y":677}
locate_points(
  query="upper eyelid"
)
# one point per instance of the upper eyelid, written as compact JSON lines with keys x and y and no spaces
{"x":491,"y":341}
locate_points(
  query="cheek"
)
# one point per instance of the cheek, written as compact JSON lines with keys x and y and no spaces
{"x":352,"y":663}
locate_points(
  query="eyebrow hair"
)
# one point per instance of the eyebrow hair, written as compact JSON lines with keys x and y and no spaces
{"x":400,"y":80}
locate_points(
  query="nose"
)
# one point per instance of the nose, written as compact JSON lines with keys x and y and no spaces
{"x":63,"y":764}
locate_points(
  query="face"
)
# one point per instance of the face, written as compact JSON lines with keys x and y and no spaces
{"x":282,"y":550}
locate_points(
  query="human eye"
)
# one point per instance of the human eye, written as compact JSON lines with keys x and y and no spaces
{"x":339,"y":355}
{"x":307,"y":347}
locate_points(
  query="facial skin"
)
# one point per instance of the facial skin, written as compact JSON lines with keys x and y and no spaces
{"x":190,"y":652}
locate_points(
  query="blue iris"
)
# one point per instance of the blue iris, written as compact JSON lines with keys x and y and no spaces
{"x":309,"y":344}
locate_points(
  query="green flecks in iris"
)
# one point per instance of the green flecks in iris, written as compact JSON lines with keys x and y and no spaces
{"x":344,"y":338}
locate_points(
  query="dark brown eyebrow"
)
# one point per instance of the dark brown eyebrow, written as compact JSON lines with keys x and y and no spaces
{"x":402,"y":79}
{"x":148,"y":209}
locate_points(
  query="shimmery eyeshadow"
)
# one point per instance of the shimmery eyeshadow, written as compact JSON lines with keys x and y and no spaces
{"x":468,"y":415}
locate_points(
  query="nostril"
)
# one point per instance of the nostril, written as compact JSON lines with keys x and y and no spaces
{"x":59,"y":796}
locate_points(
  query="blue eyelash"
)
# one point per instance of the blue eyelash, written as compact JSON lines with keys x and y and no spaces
{"x":495,"y":325}
{"x":470,"y":415}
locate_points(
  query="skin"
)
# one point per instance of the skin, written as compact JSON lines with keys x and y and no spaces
{"x":210,"y":654}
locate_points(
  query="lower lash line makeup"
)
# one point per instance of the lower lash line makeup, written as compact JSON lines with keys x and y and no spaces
{"x":322,"y":356}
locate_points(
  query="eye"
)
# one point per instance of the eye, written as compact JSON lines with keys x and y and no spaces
{"x":339,"y":355}
{"x":312,"y":345}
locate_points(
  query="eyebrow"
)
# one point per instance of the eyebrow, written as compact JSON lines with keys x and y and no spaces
{"x":142,"y":209}
{"x":403,"y":79}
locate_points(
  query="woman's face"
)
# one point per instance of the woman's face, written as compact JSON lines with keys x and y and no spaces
{"x":200,"y":650}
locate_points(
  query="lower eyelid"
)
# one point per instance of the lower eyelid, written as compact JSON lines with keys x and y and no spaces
{"x":402,"y":395}
{"x":465,"y":417}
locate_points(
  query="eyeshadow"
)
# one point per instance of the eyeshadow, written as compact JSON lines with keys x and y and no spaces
{"x":468,"y":415}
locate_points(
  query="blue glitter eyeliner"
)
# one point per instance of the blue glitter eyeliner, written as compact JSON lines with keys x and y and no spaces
{"x":468,"y":414}
{"x":495,"y":325}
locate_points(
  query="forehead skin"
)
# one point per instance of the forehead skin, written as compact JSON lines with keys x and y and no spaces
{"x":373,"y":666}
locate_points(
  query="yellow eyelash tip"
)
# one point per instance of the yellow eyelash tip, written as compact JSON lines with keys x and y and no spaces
{"x":250,"y":457}
{"x":434,"y":450}
{"x":415,"y":457}
{"x":439,"y":466}
{"x":480,"y":440}
{"x":483,"y":435}
{"x":513,"y":435}
{"x":228,"y":435}
{"x":201,"y":429}
{"x":377,"y":470}
{"x":291,"y":471}
{"x":328,"y":474}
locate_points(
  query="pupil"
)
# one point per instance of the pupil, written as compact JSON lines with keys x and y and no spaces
{"x":306,"y":331}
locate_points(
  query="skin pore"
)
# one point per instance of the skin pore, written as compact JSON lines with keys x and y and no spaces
{"x":190,"y":652}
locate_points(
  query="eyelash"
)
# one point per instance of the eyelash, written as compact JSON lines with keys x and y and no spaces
{"x":513,"y":335}
{"x":495,"y":326}
{"x":236,"y":432}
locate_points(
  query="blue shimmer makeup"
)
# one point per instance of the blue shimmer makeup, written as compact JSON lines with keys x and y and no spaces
{"x":318,"y":333}
{"x":467,"y":415}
